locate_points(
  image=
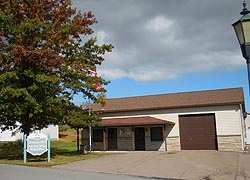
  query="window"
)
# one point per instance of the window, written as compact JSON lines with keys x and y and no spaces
{"x":97,"y":135}
{"x":156,"y":134}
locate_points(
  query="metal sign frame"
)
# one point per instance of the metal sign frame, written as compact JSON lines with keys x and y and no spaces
{"x":36,"y":144}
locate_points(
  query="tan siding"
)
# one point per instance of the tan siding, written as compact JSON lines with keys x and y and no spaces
{"x":228,"y":123}
{"x":174,"y":131}
{"x":227,"y":117}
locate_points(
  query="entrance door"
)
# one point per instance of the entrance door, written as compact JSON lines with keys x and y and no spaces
{"x":112,"y":139}
{"x":140,"y":139}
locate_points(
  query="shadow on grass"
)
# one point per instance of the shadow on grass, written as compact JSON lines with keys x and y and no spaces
{"x":62,"y":135}
{"x":11,"y":150}
{"x":14,"y":151}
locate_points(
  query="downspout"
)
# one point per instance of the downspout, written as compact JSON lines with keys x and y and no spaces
{"x":242,"y":128}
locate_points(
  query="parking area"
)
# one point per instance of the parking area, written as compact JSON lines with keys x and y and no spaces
{"x":206,"y":165}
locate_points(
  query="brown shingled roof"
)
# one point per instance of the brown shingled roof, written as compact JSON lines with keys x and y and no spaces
{"x":145,"y":120}
{"x":176,"y":100}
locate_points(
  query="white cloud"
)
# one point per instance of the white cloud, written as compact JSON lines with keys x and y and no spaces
{"x":102,"y":37}
{"x":159,"y":23}
{"x":154,"y":74}
{"x":111,"y":73}
{"x":169,"y":69}
{"x":167,"y":39}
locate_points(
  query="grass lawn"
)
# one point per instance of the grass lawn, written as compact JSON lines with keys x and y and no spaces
{"x":62,"y":151}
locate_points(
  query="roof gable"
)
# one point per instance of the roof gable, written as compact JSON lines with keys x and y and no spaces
{"x":176,"y":100}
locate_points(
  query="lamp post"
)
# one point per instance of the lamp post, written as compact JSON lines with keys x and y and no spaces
{"x":242,"y":31}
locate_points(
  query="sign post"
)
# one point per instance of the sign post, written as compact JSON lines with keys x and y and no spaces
{"x":48,"y":148}
{"x":24,"y":149}
{"x":36,"y":144}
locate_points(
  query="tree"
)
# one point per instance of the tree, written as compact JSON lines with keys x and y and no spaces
{"x":82,"y":118}
{"x":44,"y":62}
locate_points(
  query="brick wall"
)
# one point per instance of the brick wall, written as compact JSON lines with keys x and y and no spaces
{"x":125,"y":142}
{"x":229,"y":143}
{"x":153,"y":145}
{"x":124,"y":139}
{"x":173,"y":144}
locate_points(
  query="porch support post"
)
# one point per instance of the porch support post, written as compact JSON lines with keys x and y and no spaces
{"x":165,"y":136}
{"x":104,"y":139}
{"x":133,"y":138}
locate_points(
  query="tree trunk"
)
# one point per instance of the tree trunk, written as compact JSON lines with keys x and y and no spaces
{"x":26,"y":127}
{"x":77,"y":139}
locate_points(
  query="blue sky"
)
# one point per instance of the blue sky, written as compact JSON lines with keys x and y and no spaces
{"x":168,"y":46}
{"x":126,"y":87}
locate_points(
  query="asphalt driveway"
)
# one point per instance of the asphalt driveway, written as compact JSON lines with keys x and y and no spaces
{"x":207,"y":165}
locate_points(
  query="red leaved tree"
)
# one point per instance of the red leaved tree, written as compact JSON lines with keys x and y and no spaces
{"x":46,"y":52}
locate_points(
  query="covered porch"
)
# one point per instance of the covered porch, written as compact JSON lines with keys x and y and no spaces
{"x":130,"y":134}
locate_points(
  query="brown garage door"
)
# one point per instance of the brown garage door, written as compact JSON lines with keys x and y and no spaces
{"x":198,"y":132}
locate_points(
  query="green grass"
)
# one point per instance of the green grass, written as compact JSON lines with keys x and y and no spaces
{"x":61,"y":152}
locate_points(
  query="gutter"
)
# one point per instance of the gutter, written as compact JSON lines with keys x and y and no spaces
{"x":104,"y":111}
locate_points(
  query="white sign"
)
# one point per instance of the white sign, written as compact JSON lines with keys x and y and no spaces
{"x":37,"y":144}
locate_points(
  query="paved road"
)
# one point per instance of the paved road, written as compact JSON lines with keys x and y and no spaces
{"x":11,"y":172}
{"x":197,"y":165}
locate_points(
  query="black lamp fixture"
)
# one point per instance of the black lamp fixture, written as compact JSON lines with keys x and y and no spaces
{"x":242,"y":31}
